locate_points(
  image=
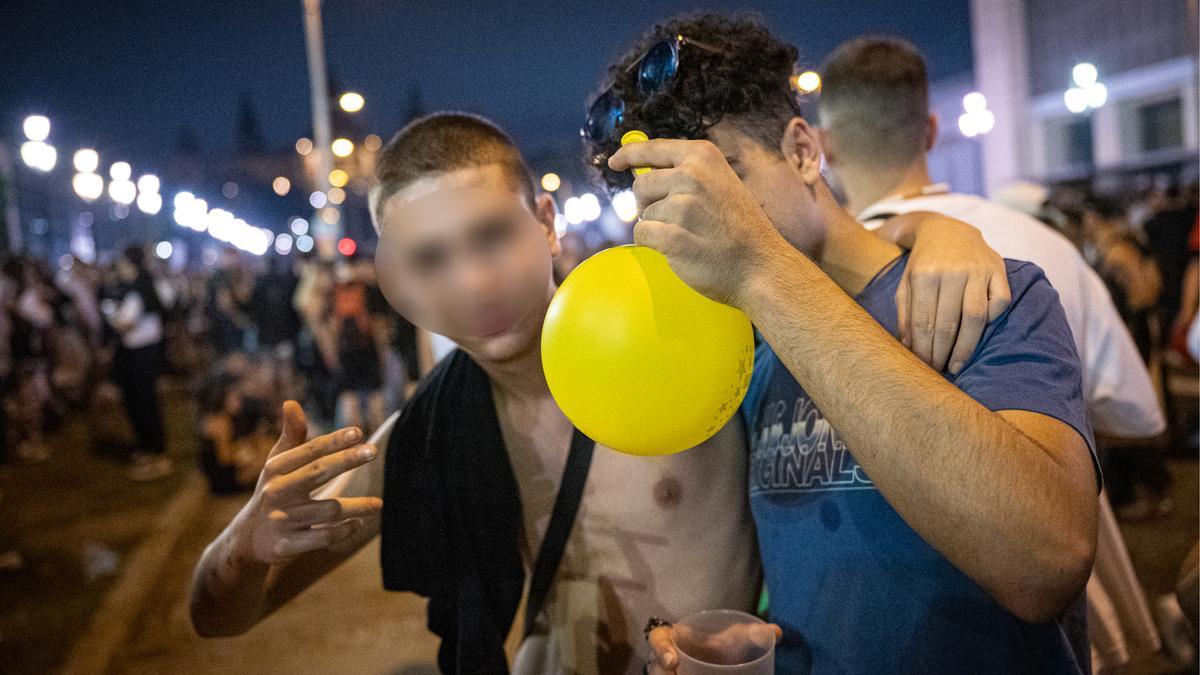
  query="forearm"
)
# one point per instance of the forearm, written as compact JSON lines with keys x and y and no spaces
{"x":227,"y":591}
{"x":972,"y":485}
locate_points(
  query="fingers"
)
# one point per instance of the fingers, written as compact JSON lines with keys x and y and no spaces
{"x":330,"y":511}
{"x":778,"y":631}
{"x":656,"y":153}
{"x":946,"y":325}
{"x":318,"y":472}
{"x":655,"y":234}
{"x":658,"y":185}
{"x":923,"y":302}
{"x":303,"y":541}
{"x":974,"y":322}
{"x":664,"y":648}
{"x":295,"y":428}
{"x":999,"y":295}
{"x":292,"y":459}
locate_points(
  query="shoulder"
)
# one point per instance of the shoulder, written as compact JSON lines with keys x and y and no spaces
{"x":416,"y":415}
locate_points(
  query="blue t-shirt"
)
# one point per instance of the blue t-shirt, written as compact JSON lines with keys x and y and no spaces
{"x":856,"y":589}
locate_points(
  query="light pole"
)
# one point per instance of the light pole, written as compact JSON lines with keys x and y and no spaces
{"x":326,"y":233}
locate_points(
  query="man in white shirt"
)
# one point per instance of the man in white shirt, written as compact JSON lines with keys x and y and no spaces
{"x":876,"y":131}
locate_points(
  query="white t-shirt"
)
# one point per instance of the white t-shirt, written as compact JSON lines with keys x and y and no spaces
{"x":147,"y":326}
{"x":1121,"y":398}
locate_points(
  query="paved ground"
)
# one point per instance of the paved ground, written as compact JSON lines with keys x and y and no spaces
{"x":345,"y":624}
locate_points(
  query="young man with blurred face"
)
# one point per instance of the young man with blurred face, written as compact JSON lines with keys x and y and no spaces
{"x":470,"y":470}
{"x":907,"y":521}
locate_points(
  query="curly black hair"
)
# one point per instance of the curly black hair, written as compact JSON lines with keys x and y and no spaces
{"x":750,"y":81}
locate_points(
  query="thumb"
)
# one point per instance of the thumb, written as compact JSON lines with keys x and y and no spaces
{"x":295,"y":428}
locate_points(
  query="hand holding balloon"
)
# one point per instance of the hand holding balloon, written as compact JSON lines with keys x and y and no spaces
{"x":639,"y":361}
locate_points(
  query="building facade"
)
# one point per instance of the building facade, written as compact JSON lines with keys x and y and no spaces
{"x":1144,"y":54}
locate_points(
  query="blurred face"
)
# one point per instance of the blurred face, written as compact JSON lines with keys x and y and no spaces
{"x":462,"y":255}
{"x":774,"y":177}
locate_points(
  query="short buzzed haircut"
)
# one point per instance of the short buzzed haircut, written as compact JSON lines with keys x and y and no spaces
{"x":443,"y":142}
{"x":875,"y":100}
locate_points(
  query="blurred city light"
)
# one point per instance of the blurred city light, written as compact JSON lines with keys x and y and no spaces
{"x":1084,"y":75}
{"x":304,"y":146}
{"x":88,"y":186}
{"x":149,"y":202}
{"x":976,"y":119}
{"x":163,"y":249}
{"x":304,"y":243}
{"x":351,"y":101}
{"x":808,"y":82}
{"x":299,"y":226}
{"x":122,"y":191}
{"x":1097,"y":95}
{"x":86,"y":160}
{"x":573,"y":211}
{"x":120,"y":171}
{"x":1076,"y":99}
{"x":36,"y":127}
{"x":317,"y":199}
{"x":590,"y":206}
{"x":342,"y":147}
{"x":148,"y":183}
{"x":624,"y":204}
{"x":330,"y":215}
{"x":346,"y":246}
{"x":39,"y":155}
{"x":336,"y":195}
{"x":281,"y":185}
{"x":551,"y":182}
{"x":372,"y":142}
{"x":338,"y":178}
{"x":283,"y":243}
{"x":230,"y":190}
{"x":1088,"y":92}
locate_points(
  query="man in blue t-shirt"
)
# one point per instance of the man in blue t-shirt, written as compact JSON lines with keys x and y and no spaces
{"x":908,"y":521}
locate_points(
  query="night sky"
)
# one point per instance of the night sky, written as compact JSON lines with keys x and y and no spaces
{"x":125,"y":76}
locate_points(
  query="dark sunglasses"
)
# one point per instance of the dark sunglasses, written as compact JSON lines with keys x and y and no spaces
{"x":655,"y":70}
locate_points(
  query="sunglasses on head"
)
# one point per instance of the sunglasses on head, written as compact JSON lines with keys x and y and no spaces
{"x":655,"y":70}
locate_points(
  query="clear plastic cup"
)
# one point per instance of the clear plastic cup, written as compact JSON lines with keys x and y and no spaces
{"x":724,"y":641}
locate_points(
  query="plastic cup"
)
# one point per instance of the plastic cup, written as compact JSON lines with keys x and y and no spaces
{"x":724,"y":641}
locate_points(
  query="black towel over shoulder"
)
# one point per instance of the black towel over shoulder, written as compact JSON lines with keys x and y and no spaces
{"x":451,"y":519}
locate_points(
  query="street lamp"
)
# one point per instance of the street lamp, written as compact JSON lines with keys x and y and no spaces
{"x":342,"y":147}
{"x":35,"y":151}
{"x":1088,"y":91}
{"x":976,"y":119}
{"x":351,"y":101}
{"x":808,"y":82}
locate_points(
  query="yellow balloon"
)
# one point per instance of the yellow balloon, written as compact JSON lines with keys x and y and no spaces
{"x":639,"y":361}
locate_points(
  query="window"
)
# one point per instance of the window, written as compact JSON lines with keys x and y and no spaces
{"x":1079,"y":141}
{"x":1161,"y":125}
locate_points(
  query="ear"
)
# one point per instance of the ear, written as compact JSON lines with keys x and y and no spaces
{"x":931,"y":132}
{"x":802,"y":149}
{"x":544,"y":211}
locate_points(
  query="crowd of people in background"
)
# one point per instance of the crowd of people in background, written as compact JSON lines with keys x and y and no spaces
{"x":236,"y":338}
{"x":241,"y":336}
